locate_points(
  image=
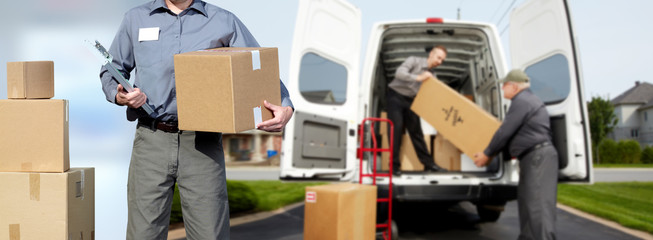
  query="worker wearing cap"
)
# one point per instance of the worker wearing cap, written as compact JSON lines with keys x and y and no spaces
{"x":527,"y":133}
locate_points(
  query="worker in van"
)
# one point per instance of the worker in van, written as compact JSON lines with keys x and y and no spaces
{"x":401,"y":93}
{"x":526,"y":131}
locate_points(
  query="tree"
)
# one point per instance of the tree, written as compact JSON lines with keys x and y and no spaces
{"x":602,"y":121}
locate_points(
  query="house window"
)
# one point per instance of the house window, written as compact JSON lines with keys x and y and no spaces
{"x":634,"y":133}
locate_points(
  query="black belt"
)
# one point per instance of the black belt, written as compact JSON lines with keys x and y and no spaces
{"x":166,"y":126}
{"x":533,"y":148}
{"x":407,"y":98}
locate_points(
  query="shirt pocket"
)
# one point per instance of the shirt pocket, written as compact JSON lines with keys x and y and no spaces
{"x":148,"y":53}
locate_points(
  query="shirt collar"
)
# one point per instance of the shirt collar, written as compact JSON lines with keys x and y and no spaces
{"x":161,"y":5}
{"x":522,"y":91}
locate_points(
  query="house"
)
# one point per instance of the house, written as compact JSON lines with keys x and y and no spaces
{"x":634,"y":108}
{"x":251,"y":146}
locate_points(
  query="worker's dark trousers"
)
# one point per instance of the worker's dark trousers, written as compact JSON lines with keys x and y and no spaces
{"x":537,"y":190}
{"x":398,"y":107}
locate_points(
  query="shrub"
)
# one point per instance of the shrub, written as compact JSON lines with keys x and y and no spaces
{"x":175,"y":214}
{"x":631,"y":152}
{"x":609,"y":152}
{"x":647,"y":155}
{"x":241,"y":197}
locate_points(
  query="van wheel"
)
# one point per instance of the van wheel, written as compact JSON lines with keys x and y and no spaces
{"x":489,"y":213}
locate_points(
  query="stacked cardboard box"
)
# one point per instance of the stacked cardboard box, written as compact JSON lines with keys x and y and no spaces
{"x":42,"y":197}
{"x":445,"y":154}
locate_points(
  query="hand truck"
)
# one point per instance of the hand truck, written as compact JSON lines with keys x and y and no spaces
{"x":374,"y":149}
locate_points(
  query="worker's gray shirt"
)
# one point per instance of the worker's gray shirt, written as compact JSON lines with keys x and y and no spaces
{"x":201,"y":26}
{"x":526,"y":124}
{"x":405,"y":81}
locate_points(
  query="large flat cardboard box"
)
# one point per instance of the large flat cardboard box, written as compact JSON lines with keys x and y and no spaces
{"x":34,"y":135}
{"x":340,"y":211}
{"x":30,"y":79}
{"x":223,"y":89}
{"x":466,"y":125}
{"x":37,"y":206}
{"x":446,"y":155}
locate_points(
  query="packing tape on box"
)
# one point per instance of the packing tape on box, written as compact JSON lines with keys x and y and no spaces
{"x":14,"y":231}
{"x":80,"y":187}
{"x":258,"y":117}
{"x":256,"y":60}
{"x":35,"y":186}
{"x":256,"y":56}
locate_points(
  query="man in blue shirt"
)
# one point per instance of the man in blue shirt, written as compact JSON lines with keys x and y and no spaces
{"x":149,"y":36}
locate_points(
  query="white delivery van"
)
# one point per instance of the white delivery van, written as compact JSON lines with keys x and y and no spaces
{"x":321,"y":140}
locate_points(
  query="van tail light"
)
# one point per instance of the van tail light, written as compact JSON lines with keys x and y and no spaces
{"x":434,"y":20}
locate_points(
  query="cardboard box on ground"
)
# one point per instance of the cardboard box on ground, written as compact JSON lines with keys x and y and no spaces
{"x":445,"y":154}
{"x":48,"y":205}
{"x":34,"y":135}
{"x":340,"y":211}
{"x":30,"y":79}
{"x":465,"y":124}
{"x":219,"y":90}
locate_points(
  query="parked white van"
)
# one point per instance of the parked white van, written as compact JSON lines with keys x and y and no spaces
{"x":321,"y":140}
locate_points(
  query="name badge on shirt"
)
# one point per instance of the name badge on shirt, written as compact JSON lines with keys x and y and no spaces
{"x":148,"y":34}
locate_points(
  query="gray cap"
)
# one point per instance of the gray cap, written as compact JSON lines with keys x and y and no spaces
{"x":515,"y":75}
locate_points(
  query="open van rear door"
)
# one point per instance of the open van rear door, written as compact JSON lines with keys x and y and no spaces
{"x":320,"y":139}
{"x":542,"y":43}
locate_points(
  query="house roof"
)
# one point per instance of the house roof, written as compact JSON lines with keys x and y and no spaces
{"x":641,"y":93}
{"x":646,"y":106}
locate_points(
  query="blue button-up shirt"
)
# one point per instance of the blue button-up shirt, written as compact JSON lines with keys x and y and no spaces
{"x":200,"y":26}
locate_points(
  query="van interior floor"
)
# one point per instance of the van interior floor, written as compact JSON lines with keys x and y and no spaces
{"x":464,"y":174}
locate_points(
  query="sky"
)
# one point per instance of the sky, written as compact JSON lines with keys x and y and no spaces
{"x":612,"y":36}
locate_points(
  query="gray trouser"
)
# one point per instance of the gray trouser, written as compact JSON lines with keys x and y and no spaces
{"x":536,"y":193}
{"x":195,"y":161}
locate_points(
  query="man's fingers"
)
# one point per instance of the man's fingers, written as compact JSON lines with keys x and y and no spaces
{"x":270,"y":106}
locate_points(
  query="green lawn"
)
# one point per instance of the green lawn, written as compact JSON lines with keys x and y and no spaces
{"x":627,"y":203}
{"x":254,"y":196}
{"x":615,"y":165}
{"x":275,"y":194}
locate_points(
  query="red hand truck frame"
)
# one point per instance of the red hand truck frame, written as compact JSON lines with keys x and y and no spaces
{"x":387,"y":234}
